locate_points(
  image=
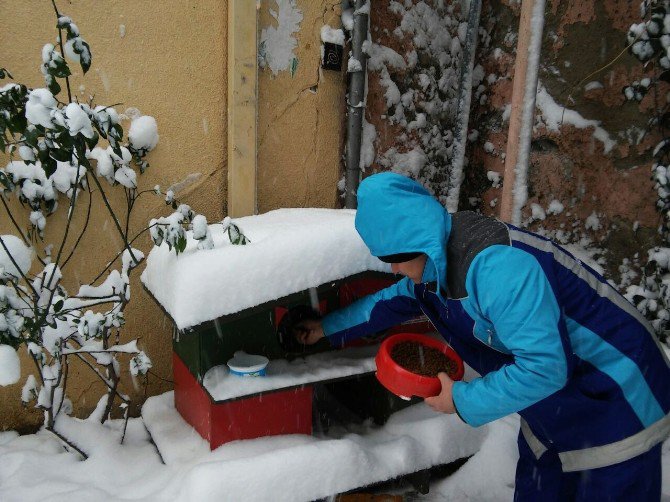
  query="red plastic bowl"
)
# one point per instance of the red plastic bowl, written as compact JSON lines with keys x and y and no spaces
{"x":403,"y":382}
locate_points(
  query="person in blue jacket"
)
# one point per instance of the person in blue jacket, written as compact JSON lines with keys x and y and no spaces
{"x":551,"y":339}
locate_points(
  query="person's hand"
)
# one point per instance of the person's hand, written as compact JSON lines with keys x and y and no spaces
{"x":308,"y":331}
{"x":444,"y":401}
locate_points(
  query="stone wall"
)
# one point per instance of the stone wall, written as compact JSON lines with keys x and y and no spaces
{"x":584,"y":68}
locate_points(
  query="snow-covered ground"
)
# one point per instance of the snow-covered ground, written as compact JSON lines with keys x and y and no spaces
{"x":296,"y":467}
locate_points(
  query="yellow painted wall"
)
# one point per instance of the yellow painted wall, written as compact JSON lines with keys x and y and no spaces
{"x":300,"y":118}
{"x":170,"y":64}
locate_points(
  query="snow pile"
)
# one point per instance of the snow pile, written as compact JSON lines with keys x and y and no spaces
{"x":555,"y":115}
{"x":77,"y":121}
{"x":593,"y":85}
{"x":21,"y":254}
{"x":265,"y":468}
{"x":143,"y":133}
{"x":497,"y":458}
{"x":290,"y":250}
{"x":178,"y":442}
{"x":592,"y":222}
{"x":41,"y":103}
{"x":295,"y":467}
{"x":537,"y":212}
{"x":10,"y":366}
{"x":36,"y":467}
{"x":555,"y":207}
{"x":332,"y":35}
{"x":650,"y":293}
{"x":369,"y":135}
{"x":495,"y":178}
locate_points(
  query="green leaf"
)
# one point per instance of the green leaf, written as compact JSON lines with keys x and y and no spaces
{"x":53,"y":86}
{"x":80,"y":146}
{"x":116,"y":132}
{"x":236,"y":236}
{"x":83,"y":161}
{"x":181,"y":244}
{"x":50,"y":206}
{"x":61,"y":154}
{"x":85,"y":56}
{"x":6,"y":181}
{"x":58,"y":306}
{"x":49,"y":165}
{"x":5,"y":73}
{"x":18,"y":123}
{"x":92,"y":142}
{"x":31,"y":136}
{"x":60,"y":68}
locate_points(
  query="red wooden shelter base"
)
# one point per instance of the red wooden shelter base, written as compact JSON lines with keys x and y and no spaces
{"x":281,"y":412}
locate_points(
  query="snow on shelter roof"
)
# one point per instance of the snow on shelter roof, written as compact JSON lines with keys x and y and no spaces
{"x":290,"y":250}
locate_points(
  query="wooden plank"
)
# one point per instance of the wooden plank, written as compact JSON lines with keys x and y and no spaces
{"x":242,"y":106}
{"x":522,"y":90}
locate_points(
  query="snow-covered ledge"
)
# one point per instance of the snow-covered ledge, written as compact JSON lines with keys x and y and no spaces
{"x":282,"y":374}
{"x":290,"y":250}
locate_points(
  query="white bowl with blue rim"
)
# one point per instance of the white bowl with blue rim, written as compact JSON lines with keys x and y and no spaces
{"x":247,"y":365}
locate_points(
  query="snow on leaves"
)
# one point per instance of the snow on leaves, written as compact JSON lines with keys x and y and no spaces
{"x":649,"y":41}
{"x":234,"y":232}
{"x":55,"y":149}
{"x":172,"y":229}
{"x":76,"y":48}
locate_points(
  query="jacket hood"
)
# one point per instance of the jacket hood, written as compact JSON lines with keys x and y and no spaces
{"x":398,"y":215}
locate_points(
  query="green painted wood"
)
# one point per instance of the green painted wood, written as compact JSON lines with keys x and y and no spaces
{"x":187,"y":347}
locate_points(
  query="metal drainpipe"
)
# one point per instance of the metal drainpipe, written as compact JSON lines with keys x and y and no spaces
{"x":464,"y":99}
{"x":355,"y":107}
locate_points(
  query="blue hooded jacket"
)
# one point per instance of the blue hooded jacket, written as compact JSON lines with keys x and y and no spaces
{"x":550,"y":338}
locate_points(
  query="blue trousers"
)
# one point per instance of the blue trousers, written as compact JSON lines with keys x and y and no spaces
{"x":637,"y":479}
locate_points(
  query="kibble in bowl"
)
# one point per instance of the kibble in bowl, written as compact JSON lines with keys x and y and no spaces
{"x":408,"y":364}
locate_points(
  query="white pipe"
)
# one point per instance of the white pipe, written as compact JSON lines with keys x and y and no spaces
{"x":521,"y":168}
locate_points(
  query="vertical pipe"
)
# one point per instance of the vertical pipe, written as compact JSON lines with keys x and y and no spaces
{"x":356,"y":104}
{"x":515,"y":190}
{"x":464,"y":98}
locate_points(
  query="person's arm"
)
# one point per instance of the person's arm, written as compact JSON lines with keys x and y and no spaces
{"x":509,"y":287}
{"x":372,"y":313}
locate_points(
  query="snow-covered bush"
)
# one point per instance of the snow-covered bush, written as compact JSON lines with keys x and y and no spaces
{"x":420,"y":88}
{"x":652,"y":295}
{"x":171,"y":229}
{"x":649,"y":41}
{"x":68,"y":154}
